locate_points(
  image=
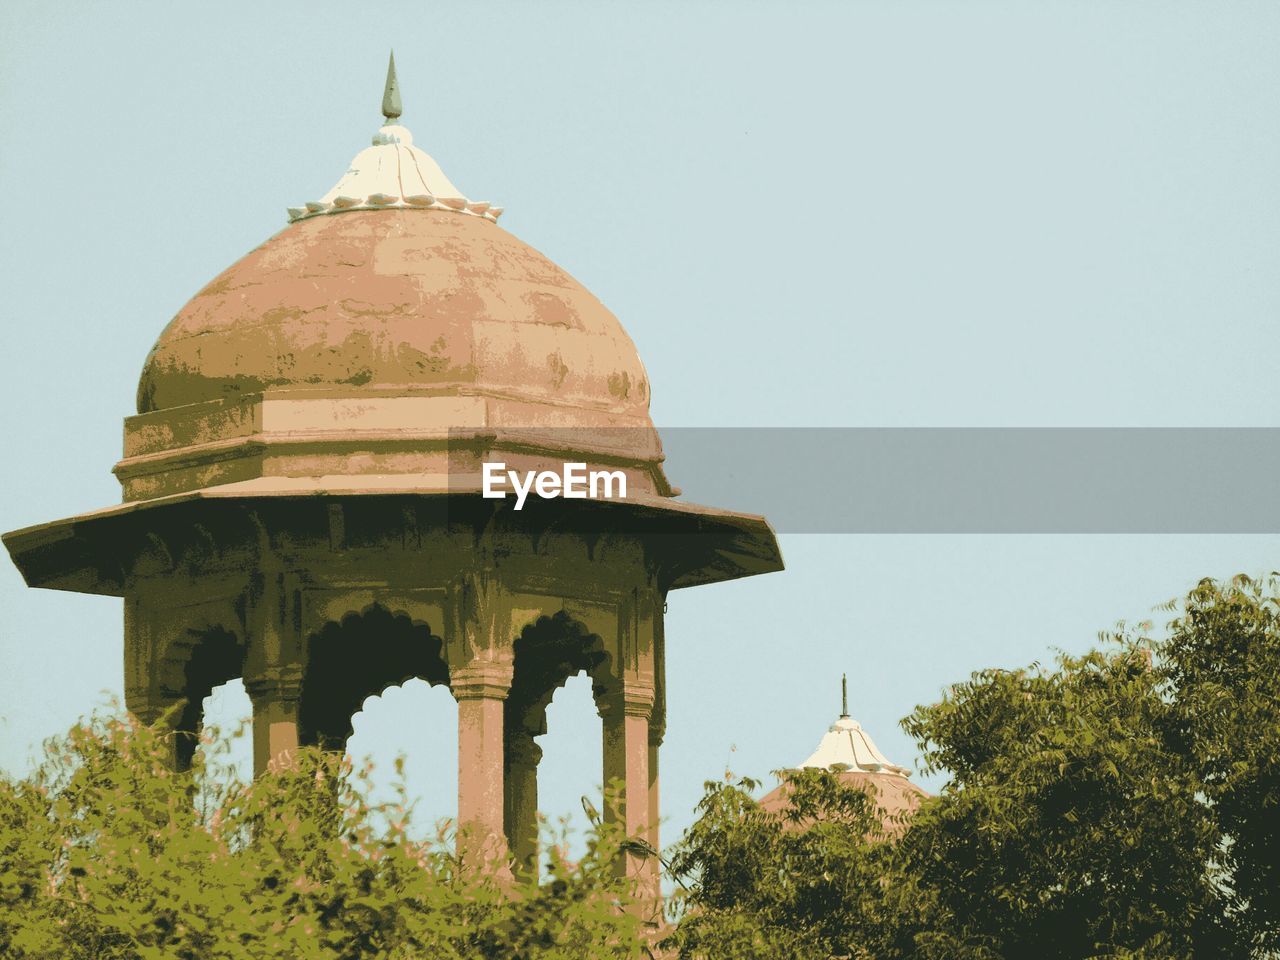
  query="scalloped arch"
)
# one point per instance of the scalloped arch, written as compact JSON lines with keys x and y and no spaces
{"x":361,"y":656}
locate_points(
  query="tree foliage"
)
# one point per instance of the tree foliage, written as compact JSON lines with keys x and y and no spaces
{"x":1122,"y":803}
{"x":106,"y":853}
{"x":796,"y":883}
{"x":1222,"y":666}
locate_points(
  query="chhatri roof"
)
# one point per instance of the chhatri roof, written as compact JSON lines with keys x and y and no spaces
{"x":390,"y":341}
{"x":847,"y":747}
{"x":395,"y":285}
{"x":847,"y":750}
{"x":393,"y":173}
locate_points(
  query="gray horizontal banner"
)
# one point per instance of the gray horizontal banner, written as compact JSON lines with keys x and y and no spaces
{"x":985,"y":480}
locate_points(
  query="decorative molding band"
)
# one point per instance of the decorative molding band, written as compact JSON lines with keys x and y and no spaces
{"x":279,"y":684}
{"x":481,"y":440}
{"x":632,"y":698}
{"x":382,"y":201}
{"x":482,"y":680}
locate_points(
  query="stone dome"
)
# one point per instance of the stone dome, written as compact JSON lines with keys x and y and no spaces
{"x":848,"y":751}
{"x":400,"y":301}
{"x":392,"y":336}
{"x":381,"y":356}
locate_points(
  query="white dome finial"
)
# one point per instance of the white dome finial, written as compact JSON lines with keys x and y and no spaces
{"x":847,"y":746}
{"x":394,"y":174}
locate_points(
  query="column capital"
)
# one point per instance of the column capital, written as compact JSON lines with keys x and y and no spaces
{"x":277,"y":683}
{"x":632,"y":698}
{"x":482,"y":680}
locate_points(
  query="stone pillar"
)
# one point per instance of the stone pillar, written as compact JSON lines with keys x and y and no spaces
{"x":480,"y":689}
{"x":275,"y":693}
{"x":655,"y":741}
{"x":520,"y":808}
{"x":273,"y":667}
{"x":625,"y":713}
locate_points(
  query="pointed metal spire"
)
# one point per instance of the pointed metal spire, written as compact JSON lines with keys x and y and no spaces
{"x":844,"y":695}
{"x":391,"y":94}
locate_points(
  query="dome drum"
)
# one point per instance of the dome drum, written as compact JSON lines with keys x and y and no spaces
{"x":423,"y":441}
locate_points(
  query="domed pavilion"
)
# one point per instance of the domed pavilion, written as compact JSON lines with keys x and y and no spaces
{"x":303,"y":496}
{"x":848,"y":751}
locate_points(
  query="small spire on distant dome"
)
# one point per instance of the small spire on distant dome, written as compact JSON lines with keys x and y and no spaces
{"x":391,"y":93}
{"x":844,"y":695}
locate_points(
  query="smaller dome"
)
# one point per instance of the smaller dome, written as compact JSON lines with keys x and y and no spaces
{"x":848,"y":751}
{"x":847,"y":747}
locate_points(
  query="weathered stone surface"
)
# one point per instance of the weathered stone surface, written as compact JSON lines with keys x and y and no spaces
{"x":401,"y":299}
{"x":302,"y":502}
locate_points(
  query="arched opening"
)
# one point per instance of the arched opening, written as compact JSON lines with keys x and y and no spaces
{"x":229,"y":711}
{"x":419,"y":722}
{"x":548,"y":652}
{"x":358,"y":658}
{"x":216,"y":656}
{"x":571,"y":767}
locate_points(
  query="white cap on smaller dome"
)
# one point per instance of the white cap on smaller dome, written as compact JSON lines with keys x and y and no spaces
{"x":847,"y":747}
{"x":393,"y":173}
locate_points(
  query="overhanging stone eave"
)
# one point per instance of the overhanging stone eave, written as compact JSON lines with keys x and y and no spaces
{"x":693,"y":544}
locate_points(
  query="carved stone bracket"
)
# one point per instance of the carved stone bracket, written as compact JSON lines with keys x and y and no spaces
{"x":522,"y":750}
{"x":657,"y":730}
{"x":149,"y":706}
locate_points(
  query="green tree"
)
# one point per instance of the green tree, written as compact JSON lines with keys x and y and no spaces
{"x":1123,"y":803}
{"x":1221,"y":664}
{"x":804,"y":882}
{"x":105,"y":853}
{"x":1070,"y":828}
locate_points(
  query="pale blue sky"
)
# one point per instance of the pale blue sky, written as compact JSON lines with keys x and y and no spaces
{"x":844,"y":214}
